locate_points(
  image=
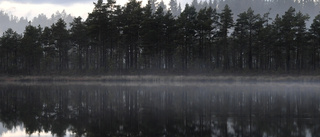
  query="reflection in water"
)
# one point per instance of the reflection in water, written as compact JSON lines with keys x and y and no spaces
{"x":221,"y":109}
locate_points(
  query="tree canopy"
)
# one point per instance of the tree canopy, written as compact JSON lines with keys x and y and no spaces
{"x":137,"y":39}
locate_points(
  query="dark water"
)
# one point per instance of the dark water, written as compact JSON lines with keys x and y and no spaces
{"x":160,"y":109}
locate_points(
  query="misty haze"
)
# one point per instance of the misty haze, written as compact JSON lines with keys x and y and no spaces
{"x":208,"y":68}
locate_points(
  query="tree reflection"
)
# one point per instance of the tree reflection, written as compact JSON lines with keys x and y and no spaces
{"x":212,"y":110}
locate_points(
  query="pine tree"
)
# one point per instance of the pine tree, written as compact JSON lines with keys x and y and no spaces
{"x":187,"y":24}
{"x":170,"y":37}
{"x":179,"y":9}
{"x":9,"y":49}
{"x":253,"y":28}
{"x":79,"y":39}
{"x":60,"y":36}
{"x":132,"y":15}
{"x":205,"y":24}
{"x":300,"y":40}
{"x":226,"y":22}
{"x":148,"y":36}
{"x":240,"y":35}
{"x":32,"y":49}
{"x":315,"y":38}
{"x":288,"y":32}
{"x":49,"y":57}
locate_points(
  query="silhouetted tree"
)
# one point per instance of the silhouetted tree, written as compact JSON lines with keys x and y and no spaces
{"x":226,"y":22}
{"x":10,"y":44}
{"x":315,"y":45}
{"x":132,"y":15}
{"x":61,"y":42}
{"x":80,"y":40}
{"x":130,"y":38}
{"x":32,"y":49}
{"x":187,"y":45}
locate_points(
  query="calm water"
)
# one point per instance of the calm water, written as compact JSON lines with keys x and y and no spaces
{"x":160,"y":109}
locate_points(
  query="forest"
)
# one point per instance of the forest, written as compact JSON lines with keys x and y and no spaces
{"x":137,"y":39}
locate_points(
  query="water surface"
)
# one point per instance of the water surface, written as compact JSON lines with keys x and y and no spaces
{"x":160,"y":109}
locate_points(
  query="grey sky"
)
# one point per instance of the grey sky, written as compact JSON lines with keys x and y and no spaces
{"x":59,"y":2}
{"x":66,"y":2}
{"x":32,"y":8}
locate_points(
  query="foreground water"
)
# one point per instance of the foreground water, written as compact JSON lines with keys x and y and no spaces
{"x":160,"y":109}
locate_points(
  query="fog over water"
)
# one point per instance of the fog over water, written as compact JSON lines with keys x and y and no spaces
{"x":161,"y":109}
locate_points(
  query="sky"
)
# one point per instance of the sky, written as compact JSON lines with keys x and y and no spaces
{"x":31,"y":8}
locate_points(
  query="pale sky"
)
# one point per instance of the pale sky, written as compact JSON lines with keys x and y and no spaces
{"x":32,"y":8}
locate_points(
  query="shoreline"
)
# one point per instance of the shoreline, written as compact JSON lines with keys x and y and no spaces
{"x":157,"y":78}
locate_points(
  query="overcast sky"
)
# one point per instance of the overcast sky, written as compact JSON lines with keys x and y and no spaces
{"x":31,"y":8}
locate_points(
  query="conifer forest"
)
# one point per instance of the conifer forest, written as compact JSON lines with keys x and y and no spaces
{"x":201,"y":37}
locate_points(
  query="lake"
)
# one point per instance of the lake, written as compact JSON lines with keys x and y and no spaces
{"x":215,"y":109}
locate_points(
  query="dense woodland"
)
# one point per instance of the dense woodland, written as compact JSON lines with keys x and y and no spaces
{"x":152,"y":38}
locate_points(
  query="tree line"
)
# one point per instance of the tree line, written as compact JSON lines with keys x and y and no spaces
{"x":18,"y":24}
{"x":136,"y":38}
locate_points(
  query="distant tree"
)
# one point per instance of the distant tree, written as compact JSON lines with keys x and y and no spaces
{"x":205,"y":4}
{"x":42,"y":20}
{"x":20,"y":23}
{"x":195,"y":4}
{"x":278,"y":43}
{"x":174,"y":8}
{"x":61,"y":15}
{"x":154,"y":5}
{"x":8,"y":21}
{"x":212,"y":4}
{"x":179,"y":9}
{"x":163,"y":6}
